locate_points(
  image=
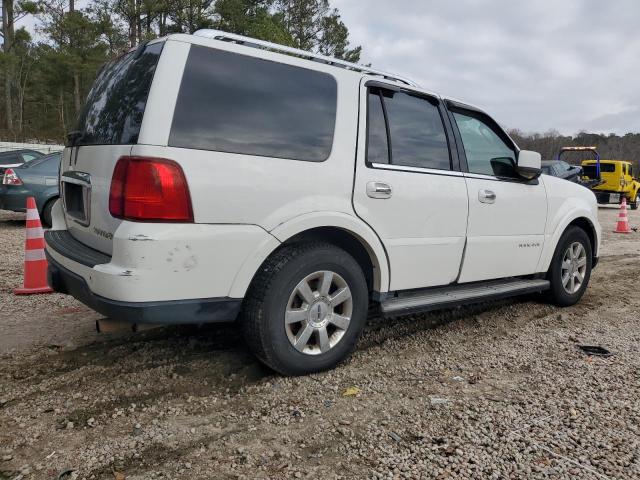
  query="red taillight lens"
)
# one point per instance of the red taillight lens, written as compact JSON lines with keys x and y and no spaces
{"x":11,"y":178}
{"x":149,"y":189}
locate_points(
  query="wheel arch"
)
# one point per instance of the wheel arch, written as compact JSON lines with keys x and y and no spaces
{"x":340,"y":229}
{"x":586,"y":225}
{"x":580,"y":220}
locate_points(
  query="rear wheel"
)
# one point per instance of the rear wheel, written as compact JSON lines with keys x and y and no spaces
{"x":306,"y":308}
{"x":570,"y":267}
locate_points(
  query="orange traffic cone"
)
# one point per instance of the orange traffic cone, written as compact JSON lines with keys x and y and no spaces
{"x":623,"y":220}
{"x":35,"y":263}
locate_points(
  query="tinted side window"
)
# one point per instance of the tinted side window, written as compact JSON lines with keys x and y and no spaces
{"x":377,"y":142}
{"x":240,"y":104}
{"x":417,"y":133}
{"x":487,"y":153}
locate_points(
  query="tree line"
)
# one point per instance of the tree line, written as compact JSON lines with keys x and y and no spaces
{"x":46,"y":74}
{"x":610,"y":146}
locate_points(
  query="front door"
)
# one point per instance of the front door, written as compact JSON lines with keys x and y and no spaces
{"x":408,"y":186}
{"x":507,"y":215}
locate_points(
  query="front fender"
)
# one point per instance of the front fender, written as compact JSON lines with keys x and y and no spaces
{"x":570,"y":210}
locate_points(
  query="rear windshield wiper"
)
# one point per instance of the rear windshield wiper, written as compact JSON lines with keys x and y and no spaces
{"x":74,"y":137}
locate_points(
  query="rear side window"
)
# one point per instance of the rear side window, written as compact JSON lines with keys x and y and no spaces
{"x":414,"y":130}
{"x":241,"y":104}
{"x":112,"y":114}
{"x":377,"y":143}
{"x":589,"y":170}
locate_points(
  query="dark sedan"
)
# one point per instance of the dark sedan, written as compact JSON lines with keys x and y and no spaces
{"x":560,"y":169}
{"x":15,"y":158}
{"x":36,"y":178}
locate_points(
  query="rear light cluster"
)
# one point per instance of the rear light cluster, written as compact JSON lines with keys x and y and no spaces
{"x":11,"y":178}
{"x":149,"y":189}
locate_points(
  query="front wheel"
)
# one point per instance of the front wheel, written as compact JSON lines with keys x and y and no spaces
{"x":570,"y":267}
{"x":634,"y":204}
{"x":306,"y":308}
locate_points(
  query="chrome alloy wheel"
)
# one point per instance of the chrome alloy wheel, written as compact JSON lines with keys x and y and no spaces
{"x":574,"y":267}
{"x":318,"y":312}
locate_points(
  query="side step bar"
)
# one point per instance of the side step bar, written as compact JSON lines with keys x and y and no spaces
{"x":451,"y":296}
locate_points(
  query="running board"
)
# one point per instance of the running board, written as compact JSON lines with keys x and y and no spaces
{"x":451,"y":296}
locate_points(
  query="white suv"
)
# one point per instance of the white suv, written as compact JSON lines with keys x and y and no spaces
{"x":215,"y":178}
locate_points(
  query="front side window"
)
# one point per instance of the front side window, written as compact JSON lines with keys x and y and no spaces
{"x":240,"y":104}
{"x":487,"y":153}
{"x":415,"y":131}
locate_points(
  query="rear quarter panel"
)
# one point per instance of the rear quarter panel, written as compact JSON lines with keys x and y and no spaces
{"x":228,"y":188}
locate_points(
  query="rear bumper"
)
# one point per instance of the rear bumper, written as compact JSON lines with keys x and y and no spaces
{"x":172,"y":312}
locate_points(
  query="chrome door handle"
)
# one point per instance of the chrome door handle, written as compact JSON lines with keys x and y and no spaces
{"x":486,"y":196}
{"x":378,"y":190}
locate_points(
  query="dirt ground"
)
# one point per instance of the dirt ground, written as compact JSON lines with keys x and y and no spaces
{"x":499,"y":390}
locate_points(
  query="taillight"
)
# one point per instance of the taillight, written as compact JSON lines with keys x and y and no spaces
{"x":149,"y":189}
{"x":11,"y":178}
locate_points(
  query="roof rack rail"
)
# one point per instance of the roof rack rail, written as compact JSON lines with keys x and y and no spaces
{"x":255,"y":43}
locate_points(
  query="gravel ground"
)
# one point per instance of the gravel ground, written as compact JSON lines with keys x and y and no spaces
{"x":492,"y":391}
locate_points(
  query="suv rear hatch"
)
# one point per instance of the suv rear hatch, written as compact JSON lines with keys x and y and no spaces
{"x":108,"y":126}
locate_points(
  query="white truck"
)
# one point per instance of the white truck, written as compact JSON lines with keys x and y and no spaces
{"x":215,"y":177}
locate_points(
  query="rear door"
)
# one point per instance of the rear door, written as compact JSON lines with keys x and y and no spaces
{"x":408,"y":186}
{"x":108,"y":126}
{"x":507,"y":215}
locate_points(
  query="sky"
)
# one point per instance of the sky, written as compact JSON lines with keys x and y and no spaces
{"x":568,"y":65}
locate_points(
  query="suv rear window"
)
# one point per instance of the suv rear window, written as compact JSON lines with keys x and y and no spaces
{"x":240,"y":104}
{"x":113,"y":112}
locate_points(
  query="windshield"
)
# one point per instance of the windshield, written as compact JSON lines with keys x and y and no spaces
{"x":112,"y":114}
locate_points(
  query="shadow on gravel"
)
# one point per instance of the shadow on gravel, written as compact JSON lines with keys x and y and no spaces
{"x":12,"y":223}
{"x":192,"y":360}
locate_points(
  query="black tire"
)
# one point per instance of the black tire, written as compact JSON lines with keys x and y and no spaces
{"x":634,"y":205}
{"x":46,"y":213}
{"x":263,"y":311}
{"x":559,"y":295}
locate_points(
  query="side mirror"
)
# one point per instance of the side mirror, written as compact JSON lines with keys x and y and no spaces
{"x":529,"y":164}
